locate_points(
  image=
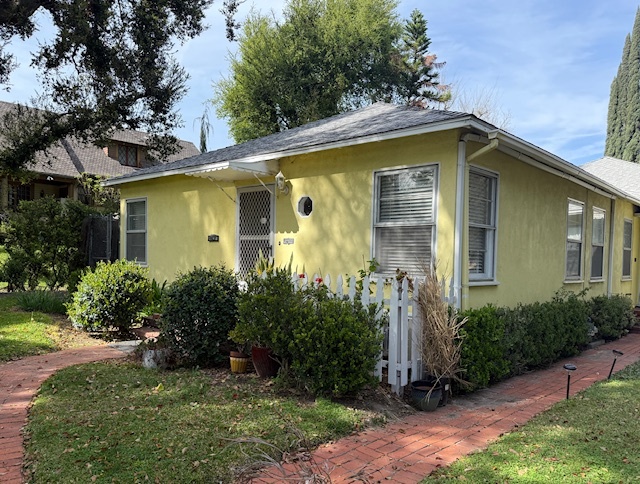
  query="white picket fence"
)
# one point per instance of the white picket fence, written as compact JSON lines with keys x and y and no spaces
{"x":401,"y":352}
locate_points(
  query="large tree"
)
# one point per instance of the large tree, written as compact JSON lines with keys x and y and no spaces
{"x":109,"y":66}
{"x":623,"y":121}
{"x":323,"y":58}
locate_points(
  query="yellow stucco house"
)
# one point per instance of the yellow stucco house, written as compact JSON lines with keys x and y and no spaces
{"x":506,"y":220}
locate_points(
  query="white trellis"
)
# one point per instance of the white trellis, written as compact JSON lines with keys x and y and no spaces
{"x":401,"y":351}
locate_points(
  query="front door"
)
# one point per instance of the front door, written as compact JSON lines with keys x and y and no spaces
{"x":255,"y":227}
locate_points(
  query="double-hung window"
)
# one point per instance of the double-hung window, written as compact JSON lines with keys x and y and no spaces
{"x":404,"y":218}
{"x":483,"y":196}
{"x":136,"y":231}
{"x":626,"y":249}
{"x":597,"y":243}
{"x":575,"y":216}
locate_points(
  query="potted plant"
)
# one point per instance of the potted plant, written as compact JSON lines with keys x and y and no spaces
{"x":439,"y":342}
{"x":239,"y":360}
{"x":265,"y":314}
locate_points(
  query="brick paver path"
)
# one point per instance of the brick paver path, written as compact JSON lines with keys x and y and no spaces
{"x":407,"y":450}
{"x":404,"y":451}
{"x":19,"y":382}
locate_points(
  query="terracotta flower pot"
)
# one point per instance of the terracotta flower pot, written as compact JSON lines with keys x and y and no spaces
{"x":264,"y":363}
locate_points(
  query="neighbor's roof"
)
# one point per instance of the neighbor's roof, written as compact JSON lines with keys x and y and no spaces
{"x":619,"y":173}
{"x":71,"y":157}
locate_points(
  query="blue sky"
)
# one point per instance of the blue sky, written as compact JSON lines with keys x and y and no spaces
{"x":548,"y":63}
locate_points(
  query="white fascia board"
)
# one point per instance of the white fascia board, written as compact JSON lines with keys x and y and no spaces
{"x":464,"y":122}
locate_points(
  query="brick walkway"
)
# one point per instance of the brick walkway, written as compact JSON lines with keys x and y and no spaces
{"x":404,"y":451}
{"x":407,"y":450}
{"x":19,"y":382}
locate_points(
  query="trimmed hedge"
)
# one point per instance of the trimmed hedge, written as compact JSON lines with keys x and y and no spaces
{"x":502,"y":342}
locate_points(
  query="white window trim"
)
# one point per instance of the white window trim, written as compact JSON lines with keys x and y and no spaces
{"x":580,"y":278}
{"x":625,"y":277}
{"x":146,"y":231}
{"x":595,"y":209}
{"x":374,"y":205}
{"x":487,"y":279}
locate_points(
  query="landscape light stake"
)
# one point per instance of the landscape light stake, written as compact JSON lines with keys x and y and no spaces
{"x":615,"y":357}
{"x":569,"y":367}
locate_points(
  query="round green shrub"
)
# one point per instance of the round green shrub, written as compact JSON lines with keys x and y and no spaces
{"x":335,"y":345}
{"x":612,"y":315}
{"x":199,"y":312}
{"x":110,"y":297}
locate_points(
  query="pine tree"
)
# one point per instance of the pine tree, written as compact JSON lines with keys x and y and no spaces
{"x":419,"y":83}
{"x":623,"y":120}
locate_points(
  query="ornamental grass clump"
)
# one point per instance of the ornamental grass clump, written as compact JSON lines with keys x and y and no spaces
{"x":440,"y":339}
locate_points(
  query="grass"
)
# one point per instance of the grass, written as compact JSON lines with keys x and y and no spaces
{"x":117,"y":422}
{"x":26,"y":333}
{"x":593,"y":437}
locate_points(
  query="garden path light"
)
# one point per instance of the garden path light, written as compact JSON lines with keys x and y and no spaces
{"x":569,"y":367}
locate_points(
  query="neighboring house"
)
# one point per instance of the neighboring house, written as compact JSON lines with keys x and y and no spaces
{"x":506,"y":220}
{"x":58,"y":170}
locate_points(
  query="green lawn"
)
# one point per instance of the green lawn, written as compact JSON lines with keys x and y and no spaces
{"x":593,"y":437}
{"x":117,"y":422}
{"x":32,"y":333}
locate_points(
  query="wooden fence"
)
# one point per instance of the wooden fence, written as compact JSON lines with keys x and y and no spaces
{"x":401,"y":351}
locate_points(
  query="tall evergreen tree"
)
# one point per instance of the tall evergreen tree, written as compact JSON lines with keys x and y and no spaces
{"x":623,"y":120}
{"x":419,"y":76}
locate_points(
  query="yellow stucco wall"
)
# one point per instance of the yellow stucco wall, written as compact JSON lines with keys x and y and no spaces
{"x":337,"y":237}
{"x":532,"y":234}
{"x":181,"y":212}
{"x":334,"y":239}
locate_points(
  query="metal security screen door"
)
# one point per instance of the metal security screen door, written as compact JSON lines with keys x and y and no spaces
{"x":255,"y":227}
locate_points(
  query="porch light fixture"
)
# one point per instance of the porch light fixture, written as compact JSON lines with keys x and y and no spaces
{"x":281,"y":183}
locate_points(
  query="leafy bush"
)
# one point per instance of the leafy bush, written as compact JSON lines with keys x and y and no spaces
{"x":44,"y":241}
{"x":110,"y":296}
{"x":268,"y":311}
{"x":612,"y":316}
{"x":335,"y":345}
{"x":483,"y":346}
{"x":43,"y":301}
{"x":199,"y":311}
{"x":13,"y":273}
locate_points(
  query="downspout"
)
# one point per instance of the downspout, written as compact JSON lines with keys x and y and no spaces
{"x":458,"y":227}
{"x":611,"y":247}
{"x":461,"y":185}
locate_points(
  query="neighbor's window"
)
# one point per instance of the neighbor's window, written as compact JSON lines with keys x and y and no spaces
{"x":136,"y":233}
{"x":404,"y":218}
{"x":626,"y":249}
{"x":483,"y":187}
{"x":597,"y":243}
{"x":127,"y":155}
{"x":574,"y":240}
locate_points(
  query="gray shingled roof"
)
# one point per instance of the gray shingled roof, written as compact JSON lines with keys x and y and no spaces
{"x":376,"y":119}
{"x":71,"y":157}
{"x":622,"y":174}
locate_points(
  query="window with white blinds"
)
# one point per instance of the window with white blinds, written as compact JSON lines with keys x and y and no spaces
{"x":575,"y":224}
{"x":627,"y":240}
{"x":483,"y":189}
{"x":404,"y":218}
{"x":597,"y":244}
{"x":136,"y":231}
